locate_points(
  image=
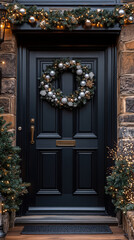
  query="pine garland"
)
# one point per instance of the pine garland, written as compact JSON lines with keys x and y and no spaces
{"x":69,"y":19}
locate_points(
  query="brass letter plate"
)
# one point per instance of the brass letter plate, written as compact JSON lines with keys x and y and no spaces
{"x":65,"y":143}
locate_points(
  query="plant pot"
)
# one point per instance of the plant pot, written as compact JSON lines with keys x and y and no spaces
{"x":5,"y":220}
{"x":12,"y":219}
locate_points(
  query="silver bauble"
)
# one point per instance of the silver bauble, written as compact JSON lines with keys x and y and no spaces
{"x":50,"y":94}
{"x":43,"y":24}
{"x":60,"y":65}
{"x":42,"y":83}
{"x":88,"y":23}
{"x":52,"y":73}
{"x":55,"y":99}
{"x":86,"y":75}
{"x":78,"y":66}
{"x":79,"y":97}
{"x":53,"y":96}
{"x":70,"y":104}
{"x":82,"y":94}
{"x":22,"y":11}
{"x":121,"y":12}
{"x":82,"y":83}
{"x":64,"y":100}
{"x":91,"y":75}
{"x":46,"y":86}
{"x":47,"y":77}
{"x":32,"y":19}
{"x":79,"y":72}
{"x":52,"y":100}
{"x":130,"y":19}
{"x":75,"y":99}
{"x":43,"y":93}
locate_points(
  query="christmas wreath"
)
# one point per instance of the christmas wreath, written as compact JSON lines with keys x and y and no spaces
{"x":83,"y":76}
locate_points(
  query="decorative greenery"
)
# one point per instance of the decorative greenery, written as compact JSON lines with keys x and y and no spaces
{"x":56,"y":97}
{"x":70,"y":19}
{"x":11,"y":185}
{"x":120,"y":182}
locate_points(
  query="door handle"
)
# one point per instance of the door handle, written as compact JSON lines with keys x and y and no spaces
{"x":32,"y":134}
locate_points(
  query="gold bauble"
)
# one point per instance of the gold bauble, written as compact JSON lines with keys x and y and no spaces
{"x":32,"y":19}
{"x":22,"y":11}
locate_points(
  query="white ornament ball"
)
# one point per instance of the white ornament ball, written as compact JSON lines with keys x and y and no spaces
{"x":70,"y":104}
{"x":121,"y":12}
{"x":52,"y":100}
{"x":60,"y":65}
{"x":50,"y":94}
{"x":75,"y":99}
{"x":32,"y":19}
{"x":82,"y":83}
{"x":86,"y":75}
{"x":64,"y":100}
{"x":79,"y":97}
{"x":88,"y":23}
{"x":79,"y":72}
{"x":52,"y":73}
{"x":78,"y":66}
{"x":82,"y":94}
{"x":43,"y":93}
{"x":130,"y":19}
{"x":56,"y":99}
{"x":47,"y":77}
{"x":42,"y":83}
{"x":91,"y":75}
{"x":22,"y":11}
{"x":53,"y":96}
{"x":46,"y":86}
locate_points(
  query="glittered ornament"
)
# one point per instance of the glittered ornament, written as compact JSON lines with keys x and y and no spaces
{"x":79,"y":72}
{"x":50,"y":94}
{"x":64,"y":100}
{"x":43,"y":24}
{"x":130,"y":19}
{"x":43,"y":93}
{"x":82,"y":94}
{"x":70,"y":104}
{"x":89,"y":83}
{"x":32,"y":19}
{"x":52,"y":73}
{"x":22,"y":11}
{"x":88,"y":23}
{"x":83,"y":83}
{"x":121,"y":13}
{"x":46,"y":86}
{"x":60,"y":65}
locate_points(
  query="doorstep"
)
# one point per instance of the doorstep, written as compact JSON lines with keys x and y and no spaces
{"x":79,"y":219}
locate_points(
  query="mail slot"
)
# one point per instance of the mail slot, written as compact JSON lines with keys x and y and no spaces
{"x":65,"y":143}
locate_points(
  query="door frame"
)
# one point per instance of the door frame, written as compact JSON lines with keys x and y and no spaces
{"x":98,"y":41}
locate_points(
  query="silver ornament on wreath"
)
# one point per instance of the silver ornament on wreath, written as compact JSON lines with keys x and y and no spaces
{"x":88,"y":23}
{"x":22,"y":11}
{"x":32,"y":19}
{"x":121,"y":13}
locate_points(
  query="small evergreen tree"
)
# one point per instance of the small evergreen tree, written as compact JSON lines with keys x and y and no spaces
{"x":120,"y":182}
{"x":11,"y":184}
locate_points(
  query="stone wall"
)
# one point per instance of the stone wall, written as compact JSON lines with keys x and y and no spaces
{"x":8,"y":84}
{"x":126,"y":83}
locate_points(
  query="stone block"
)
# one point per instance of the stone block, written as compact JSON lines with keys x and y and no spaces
{"x":127,"y":63}
{"x":5,"y":103}
{"x":129,"y":45}
{"x":127,"y":33}
{"x":126,"y":132}
{"x":126,"y":118}
{"x":13,"y":105}
{"x":9,"y":68}
{"x":8,"y":34}
{"x":8,"y":86}
{"x":130,"y":105}
{"x":8,"y":47}
{"x":127,"y":84}
{"x":10,"y":118}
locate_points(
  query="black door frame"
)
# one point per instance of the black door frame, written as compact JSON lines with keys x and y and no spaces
{"x":105,"y":41}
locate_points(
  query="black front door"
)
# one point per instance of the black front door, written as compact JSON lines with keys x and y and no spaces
{"x":64,"y":176}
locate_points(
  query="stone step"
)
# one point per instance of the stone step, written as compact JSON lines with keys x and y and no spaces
{"x":56,"y":219}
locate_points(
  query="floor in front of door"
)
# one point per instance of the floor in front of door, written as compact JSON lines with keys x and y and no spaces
{"x":14,"y":234}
